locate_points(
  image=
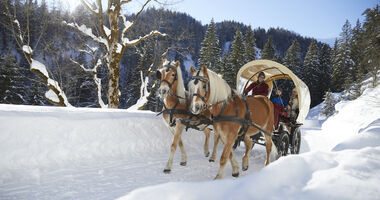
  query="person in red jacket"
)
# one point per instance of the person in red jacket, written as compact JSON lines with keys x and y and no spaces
{"x":259,"y":87}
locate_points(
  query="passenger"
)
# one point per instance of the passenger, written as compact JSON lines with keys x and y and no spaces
{"x":259,"y":87}
{"x":278,"y":99}
{"x":279,"y":107}
{"x":294,"y":107}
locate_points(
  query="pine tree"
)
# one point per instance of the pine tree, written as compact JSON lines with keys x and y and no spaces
{"x":356,"y":49}
{"x":293,"y":58}
{"x":224,"y":65}
{"x":277,"y":58}
{"x":328,"y":108}
{"x":11,"y":82}
{"x":326,"y":66}
{"x":311,"y":73}
{"x":343,"y":63}
{"x":236,"y":58}
{"x":371,"y":42}
{"x":210,"y":51}
{"x":268,"y":50}
{"x":250,"y":44}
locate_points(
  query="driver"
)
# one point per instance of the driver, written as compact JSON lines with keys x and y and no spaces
{"x":259,"y":87}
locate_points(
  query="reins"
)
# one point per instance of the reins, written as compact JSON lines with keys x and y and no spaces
{"x":173,"y":111}
{"x":245,"y":122}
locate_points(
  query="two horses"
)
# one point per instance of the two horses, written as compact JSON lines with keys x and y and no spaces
{"x":209,"y":93}
{"x":172,"y":93}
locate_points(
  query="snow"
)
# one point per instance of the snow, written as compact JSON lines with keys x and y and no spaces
{"x":87,"y":153}
{"x":88,"y":31}
{"x":27,"y":49}
{"x":143,"y":93}
{"x":19,"y":28}
{"x":107,"y":31}
{"x":50,"y":94}
{"x":119,"y":48}
{"x":188,"y":62}
{"x":39,"y":66}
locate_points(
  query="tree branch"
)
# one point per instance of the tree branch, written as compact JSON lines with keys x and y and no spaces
{"x":126,"y":41}
{"x":136,"y":17}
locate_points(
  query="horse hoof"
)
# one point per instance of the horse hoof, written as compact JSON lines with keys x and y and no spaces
{"x":182,"y":163}
{"x":211,"y":160}
{"x":167,"y":171}
{"x":244,"y":168}
{"x":235,"y":174}
{"x":207,"y":154}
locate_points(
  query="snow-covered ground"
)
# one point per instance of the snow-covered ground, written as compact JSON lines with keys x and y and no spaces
{"x":72,"y":153}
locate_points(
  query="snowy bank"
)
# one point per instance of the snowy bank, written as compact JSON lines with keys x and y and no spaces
{"x":35,"y":136}
{"x":343,"y":163}
{"x":86,"y":153}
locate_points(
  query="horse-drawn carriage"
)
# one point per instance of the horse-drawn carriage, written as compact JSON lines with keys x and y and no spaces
{"x":211,"y":101}
{"x":287,"y":136}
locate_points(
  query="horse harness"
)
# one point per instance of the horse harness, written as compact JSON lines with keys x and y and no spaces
{"x":168,"y":67}
{"x":198,"y":78}
{"x":189,"y":122}
{"x":245,"y":122}
{"x":173,"y":111}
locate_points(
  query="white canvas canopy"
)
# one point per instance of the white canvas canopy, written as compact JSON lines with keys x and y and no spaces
{"x":274,"y":71}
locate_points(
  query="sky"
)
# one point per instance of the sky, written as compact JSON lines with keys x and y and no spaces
{"x":314,"y":18}
{"x":321,"y":19}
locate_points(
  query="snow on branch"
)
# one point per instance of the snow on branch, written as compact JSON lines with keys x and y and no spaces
{"x":97,"y":81}
{"x":127,"y":42}
{"x":125,"y":1}
{"x":88,"y":32}
{"x":59,"y":97}
{"x":27,"y":49}
{"x":129,"y":26}
{"x":89,"y":7}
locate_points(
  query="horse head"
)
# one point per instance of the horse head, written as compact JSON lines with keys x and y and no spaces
{"x":199,"y":88}
{"x":168,"y":77}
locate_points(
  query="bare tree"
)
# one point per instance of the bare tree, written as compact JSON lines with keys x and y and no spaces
{"x":55,"y":94}
{"x":113,"y":39}
{"x":96,"y":62}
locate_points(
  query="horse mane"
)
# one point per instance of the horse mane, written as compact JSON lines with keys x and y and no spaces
{"x":219,"y":88}
{"x":180,"y":86}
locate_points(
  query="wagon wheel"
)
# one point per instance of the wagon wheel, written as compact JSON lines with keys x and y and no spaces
{"x":283,"y":144}
{"x":296,"y":141}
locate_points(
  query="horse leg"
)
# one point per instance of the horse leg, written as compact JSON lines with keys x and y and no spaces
{"x":216,"y":140}
{"x":248,"y":147}
{"x":234,"y":164}
{"x":223,"y":158}
{"x":207,"y":134}
{"x":176,"y":139}
{"x":268,"y":145}
{"x":183,"y":153}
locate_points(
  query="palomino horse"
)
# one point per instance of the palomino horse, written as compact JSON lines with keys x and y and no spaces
{"x":173,"y":94}
{"x":229,"y":112}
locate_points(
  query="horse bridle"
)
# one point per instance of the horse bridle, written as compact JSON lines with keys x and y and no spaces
{"x":168,"y":67}
{"x":198,"y":78}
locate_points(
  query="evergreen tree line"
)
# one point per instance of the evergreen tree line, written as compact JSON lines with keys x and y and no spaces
{"x":354,"y":56}
{"x":55,"y":45}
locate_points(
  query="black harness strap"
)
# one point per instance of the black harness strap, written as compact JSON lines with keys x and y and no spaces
{"x":198,"y":78}
{"x":245,"y":122}
{"x":175,"y":76}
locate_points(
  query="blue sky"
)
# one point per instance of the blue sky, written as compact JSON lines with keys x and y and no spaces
{"x":321,"y":19}
{"x":314,"y":18}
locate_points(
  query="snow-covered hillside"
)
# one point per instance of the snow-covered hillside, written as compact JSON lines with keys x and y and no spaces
{"x":71,"y":153}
